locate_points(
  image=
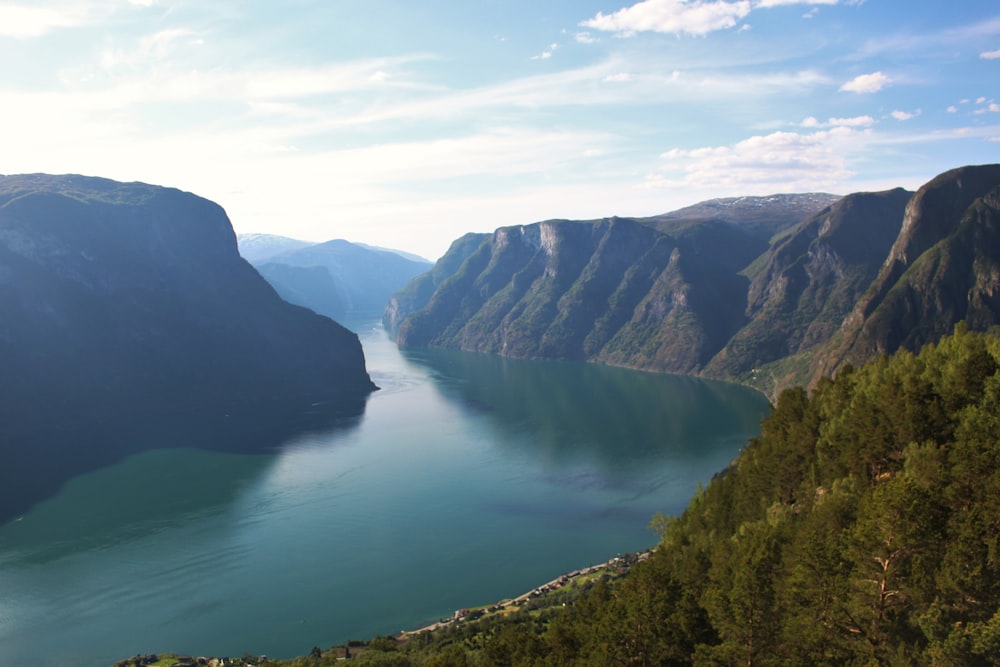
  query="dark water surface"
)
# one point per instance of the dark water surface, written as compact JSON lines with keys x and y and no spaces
{"x":467,"y":479}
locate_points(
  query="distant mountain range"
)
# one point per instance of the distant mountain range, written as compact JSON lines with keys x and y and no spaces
{"x":337,"y":278}
{"x":129,"y":302}
{"x":770,"y":291}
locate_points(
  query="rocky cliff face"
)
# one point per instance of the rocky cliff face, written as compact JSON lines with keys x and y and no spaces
{"x":741,"y":289}
{"x":416,"y":294}
{"x":660,"y":293}
{"x":129,"y":299}
{"x":804,"y":285}
{"x":942,"y":268}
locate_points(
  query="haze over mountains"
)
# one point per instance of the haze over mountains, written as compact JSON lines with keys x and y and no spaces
{"x":771,"y":291}
{"x":337,"y":278}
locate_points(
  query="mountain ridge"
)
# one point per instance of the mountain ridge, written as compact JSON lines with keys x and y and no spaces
{"x":335,"y":278}
{"x":740,"y":289}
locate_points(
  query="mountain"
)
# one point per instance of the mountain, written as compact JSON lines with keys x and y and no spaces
{"x":763,"y":216}
{"x":402,"y":253}
{"x":257,"y":248}
{"x":662,"y":293}
{"x":806,"y":283}
{"x":770,"y":291}
{"x":336,"y":278}
{"x":944,"y":267}
{"x":417,"y":293}
{"x":130,"y":300}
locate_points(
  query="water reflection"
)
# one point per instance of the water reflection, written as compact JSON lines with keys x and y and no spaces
{"x":39,"y":461}
{"x":613,"y":416}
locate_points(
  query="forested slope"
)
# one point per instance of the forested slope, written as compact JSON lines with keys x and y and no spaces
{"x":862,"y":527}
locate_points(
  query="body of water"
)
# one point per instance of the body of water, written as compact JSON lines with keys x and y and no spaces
{"x":468,"y":479}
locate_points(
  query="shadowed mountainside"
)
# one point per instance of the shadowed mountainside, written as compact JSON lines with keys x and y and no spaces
{"x":943,"y":268}
{"x":126,"y":299}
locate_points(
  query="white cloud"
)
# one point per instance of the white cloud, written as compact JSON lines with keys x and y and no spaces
{"x":546,"y":54}
{"x":23,"y":21}
{"x":695,"y":17}
{"x":777,"y":3}
{"x":952,"y":109}
{"x":990,"y":55}
{"x":980,"y":100}
{"x":855,"y":121}
{"x":907,"y":115}
{"x":586,"y":38}
{"x":867,"y":83}
{"x":780,"y":161}
{"x":619,"y":77}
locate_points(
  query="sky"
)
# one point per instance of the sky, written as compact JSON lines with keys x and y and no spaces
{"x":406,"y":124}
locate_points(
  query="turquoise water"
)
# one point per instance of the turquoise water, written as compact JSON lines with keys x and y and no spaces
{"x":468,"y":479}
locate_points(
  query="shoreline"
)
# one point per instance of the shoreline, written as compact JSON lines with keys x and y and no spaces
{"x":621,"y":563}
{"x":626,"y":561}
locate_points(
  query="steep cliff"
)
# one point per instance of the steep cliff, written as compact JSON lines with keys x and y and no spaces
{"x":125,"y":299}
{"x":661,"y":293}
{"x":943,"y":267}
{"x":739,"y":288}
{"x":416,"y":294}
{"x":806,"y":283}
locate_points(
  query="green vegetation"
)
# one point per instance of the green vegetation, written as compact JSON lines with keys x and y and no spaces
{"x":861,"y":528}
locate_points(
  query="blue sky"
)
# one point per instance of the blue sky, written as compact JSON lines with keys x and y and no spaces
{"x":406,"y":124}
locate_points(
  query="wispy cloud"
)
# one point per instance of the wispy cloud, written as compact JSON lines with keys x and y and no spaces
{"x":928,"y":43}
{"x":867,"y":83}
{"x":155,"y":47}
{"x":990,"y":55}
{"x":547,"y":53}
